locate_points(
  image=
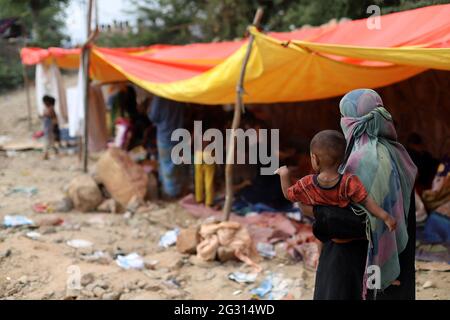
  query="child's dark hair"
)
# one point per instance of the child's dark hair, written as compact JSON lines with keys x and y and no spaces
{"x":48,"y":100}
{"x":329,"y":146}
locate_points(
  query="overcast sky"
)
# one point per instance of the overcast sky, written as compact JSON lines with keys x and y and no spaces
{"x":108,"y":10}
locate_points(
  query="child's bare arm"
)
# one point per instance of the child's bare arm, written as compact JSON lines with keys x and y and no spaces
{"x":285,"y":179}
{"x":378,"y":212}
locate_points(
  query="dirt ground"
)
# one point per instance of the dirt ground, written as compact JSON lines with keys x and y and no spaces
{"x":42,"y":268}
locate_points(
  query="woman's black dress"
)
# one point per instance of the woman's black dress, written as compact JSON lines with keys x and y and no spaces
{"x":341,"y":267}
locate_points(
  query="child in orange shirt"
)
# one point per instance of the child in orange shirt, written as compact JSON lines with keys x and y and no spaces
{"x":329,"y":187}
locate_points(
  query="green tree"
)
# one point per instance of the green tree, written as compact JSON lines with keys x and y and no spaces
{"x":43,"y":20}
{"x":184,"y":21}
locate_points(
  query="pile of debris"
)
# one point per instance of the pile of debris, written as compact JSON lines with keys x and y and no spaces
{"x":221,"y":241}
{"x":118,"y":184}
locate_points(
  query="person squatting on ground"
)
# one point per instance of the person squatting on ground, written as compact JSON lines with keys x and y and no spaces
{"x":50,"y":126}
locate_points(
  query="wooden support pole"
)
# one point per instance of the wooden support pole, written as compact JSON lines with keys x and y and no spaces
{"x":26,"y":83}
{"x":238,"y":109}
{"x":86,"y":57}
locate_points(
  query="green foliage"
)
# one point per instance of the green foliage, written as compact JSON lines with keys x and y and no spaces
{"x":43,"y":24}
{"x":43,"y":20}
{"x":10,"y":74}
{"x":184,"y":21}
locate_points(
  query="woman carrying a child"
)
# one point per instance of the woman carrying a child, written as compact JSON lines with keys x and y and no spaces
{"x":376,"y":176}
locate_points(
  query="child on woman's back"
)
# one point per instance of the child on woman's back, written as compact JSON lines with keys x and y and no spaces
{"x":328,"y":186}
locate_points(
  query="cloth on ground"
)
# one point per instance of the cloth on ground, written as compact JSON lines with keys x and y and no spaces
{"x":437,"y":229}
{"x":433,"y":253}
{"x":227,"y":236}
{"x":268,"y":227}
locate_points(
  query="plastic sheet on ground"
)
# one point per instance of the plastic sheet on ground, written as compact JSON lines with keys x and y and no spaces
{"x":242,"y":277}
{"x":79,"y":243}
{"x":169,"y":238}
{"x":16,"y":221}
{"x":130,"y":261}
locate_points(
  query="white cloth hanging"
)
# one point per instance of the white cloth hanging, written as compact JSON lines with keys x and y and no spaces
{"x":75,"y":106}
{"x":50,"y":82}
{"x":98,"y":133}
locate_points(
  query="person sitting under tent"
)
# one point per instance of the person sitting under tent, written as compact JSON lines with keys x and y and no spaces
{"x":167,"y":116}
{"x":122,"y":103}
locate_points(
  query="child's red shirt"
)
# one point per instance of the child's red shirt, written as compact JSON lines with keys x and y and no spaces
{"x":308,"y":191}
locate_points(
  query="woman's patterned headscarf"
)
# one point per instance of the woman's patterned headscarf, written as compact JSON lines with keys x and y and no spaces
{"x":386,"y":170}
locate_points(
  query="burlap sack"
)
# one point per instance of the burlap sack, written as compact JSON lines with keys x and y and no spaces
{"x":84,"y":193}
{"x":121,"y":176}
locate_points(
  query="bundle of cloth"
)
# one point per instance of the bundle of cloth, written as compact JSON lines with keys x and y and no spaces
{"x":225,"y":241}
{"x":267,"y":227}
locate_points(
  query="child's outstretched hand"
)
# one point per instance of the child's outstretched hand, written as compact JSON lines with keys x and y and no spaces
{"x":390,"y":223}
{"x":281,"y":170}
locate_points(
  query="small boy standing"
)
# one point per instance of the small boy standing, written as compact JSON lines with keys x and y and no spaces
{"x":50,"y":125}
{"x":329,"y":187}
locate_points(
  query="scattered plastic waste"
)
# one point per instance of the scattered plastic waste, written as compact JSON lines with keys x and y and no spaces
{"x":97,"y":256}
{"x":266,"y":250}
{"x":172,"y":282}
{"x":273,"y":287}
{"x":33,"y":235}
{"x":297,"y":216}
{"x":237,"y":292}
{"x":130,"y":261}
{"x":41,"y":208}
{"x":4,"y":139}
{"x":138,"y":154}
{"x":16,"y":221}
{"x":242,"y":277}
{"x":38,"y":134}
{"x":50,"y":221}
{"x":29,"y":191}
{"x":79,"y":243}
{"x":11,"y":153}
{"x":280,"y":287}
{"x":264,"y":288}
{"x":169,"y":238}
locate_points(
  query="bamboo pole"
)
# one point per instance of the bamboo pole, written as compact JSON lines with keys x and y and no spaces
{"x":86,"y":57}
{"x":26,"y":83}
{"x":238,"y":109}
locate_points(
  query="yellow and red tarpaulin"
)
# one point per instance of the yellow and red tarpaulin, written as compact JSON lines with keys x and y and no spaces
{"x":305,"y":64}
